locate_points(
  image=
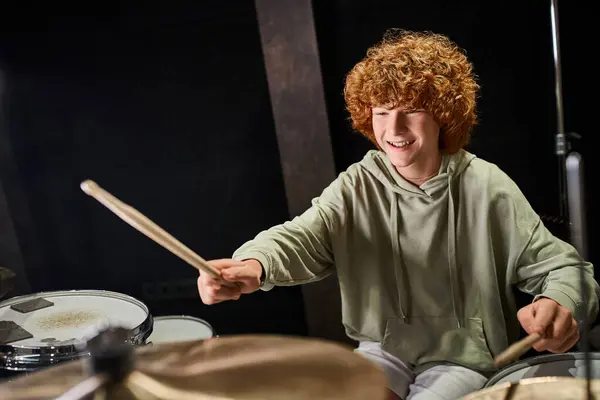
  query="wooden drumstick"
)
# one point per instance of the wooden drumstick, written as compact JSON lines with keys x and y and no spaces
{"x":147,"y":227}
{"x":514,"y":351}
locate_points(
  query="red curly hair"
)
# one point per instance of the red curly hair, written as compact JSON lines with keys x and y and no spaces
{"x":417,"y":70}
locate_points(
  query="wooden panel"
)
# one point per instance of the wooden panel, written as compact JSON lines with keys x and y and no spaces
{"x":297,"y":98}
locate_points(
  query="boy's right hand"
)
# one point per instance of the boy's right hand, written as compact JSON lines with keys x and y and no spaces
{"x":237,"y":278}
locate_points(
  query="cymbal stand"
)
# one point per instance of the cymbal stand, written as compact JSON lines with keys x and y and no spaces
{"x":111,"y":360}
{"x":572,"y":193}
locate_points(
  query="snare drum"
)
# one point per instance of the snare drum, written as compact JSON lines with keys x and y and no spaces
{"x":46,"y":328}
{"x":565,"y":365}
{"x":179,"y":328}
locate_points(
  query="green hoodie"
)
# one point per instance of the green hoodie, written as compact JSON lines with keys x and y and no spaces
{"x":427,"y":271}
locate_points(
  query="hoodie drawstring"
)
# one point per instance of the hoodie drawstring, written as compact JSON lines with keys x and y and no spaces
{"x":401,"y":283}
{"x":454,"y":283}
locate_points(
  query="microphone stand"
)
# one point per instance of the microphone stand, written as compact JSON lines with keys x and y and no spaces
{"x":561,"y":143}
{"x":572,"y":195}
{"x":576,"y":193}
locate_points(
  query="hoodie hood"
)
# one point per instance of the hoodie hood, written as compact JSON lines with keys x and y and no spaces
{"x":437,"y":194}
{"x":378,"y":164}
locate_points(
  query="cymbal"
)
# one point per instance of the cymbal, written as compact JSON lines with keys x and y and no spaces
{"x":244,"y":367}
{"x":551,"y":387}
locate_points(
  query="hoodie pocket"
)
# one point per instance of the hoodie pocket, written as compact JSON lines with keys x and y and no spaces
{"x":418,"y":340}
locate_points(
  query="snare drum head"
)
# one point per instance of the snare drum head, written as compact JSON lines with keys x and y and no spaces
{"x":179,"y":328}
{"x":556,"y":365}
{"x":72,"y":315}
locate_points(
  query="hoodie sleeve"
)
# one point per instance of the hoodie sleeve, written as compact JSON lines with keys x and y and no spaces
{"x":550,"y":267}
{"x":543,"y":265}
{"x":300,"y":251}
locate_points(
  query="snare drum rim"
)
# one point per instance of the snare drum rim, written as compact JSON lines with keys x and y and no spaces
{"x":541,"y":359}
{"x":26,"y":358}
{"x":183,"y":316}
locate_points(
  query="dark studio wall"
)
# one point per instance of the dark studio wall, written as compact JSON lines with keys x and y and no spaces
{"x":168,"y":109}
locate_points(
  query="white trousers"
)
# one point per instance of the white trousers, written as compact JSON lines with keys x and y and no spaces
{"x":441,"y":382}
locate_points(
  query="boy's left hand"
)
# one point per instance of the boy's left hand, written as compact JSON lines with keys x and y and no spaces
{"x":553,"y":322}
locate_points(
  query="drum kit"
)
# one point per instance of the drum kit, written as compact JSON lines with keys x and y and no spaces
{"x":79,"y":344}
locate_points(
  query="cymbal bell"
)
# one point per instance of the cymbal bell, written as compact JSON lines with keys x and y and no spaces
{"x":244,"y":367}
{"x":551,"y":387}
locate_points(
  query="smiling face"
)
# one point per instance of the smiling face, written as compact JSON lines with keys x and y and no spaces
{"x":410,"y":138}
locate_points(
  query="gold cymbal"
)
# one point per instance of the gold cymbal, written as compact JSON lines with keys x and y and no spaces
{"x":232,"y":367}
{"x":48,"y":383}
{"x":551,"y":387}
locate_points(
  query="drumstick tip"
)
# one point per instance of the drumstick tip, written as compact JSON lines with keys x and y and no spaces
{"x":513,"y":352}
{"x":87,"y":185}
{"x":499,"y":363}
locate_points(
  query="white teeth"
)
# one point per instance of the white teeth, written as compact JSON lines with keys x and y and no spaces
{"x":401,"y":144}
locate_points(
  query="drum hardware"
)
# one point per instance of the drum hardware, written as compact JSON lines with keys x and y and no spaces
{"x":112,"y":359}
{"x":265,"y":367}
{"x":179,"y":328}
{"x":570,"y":365}
{"x":51,"y":327}
{"x":571,"y":186}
